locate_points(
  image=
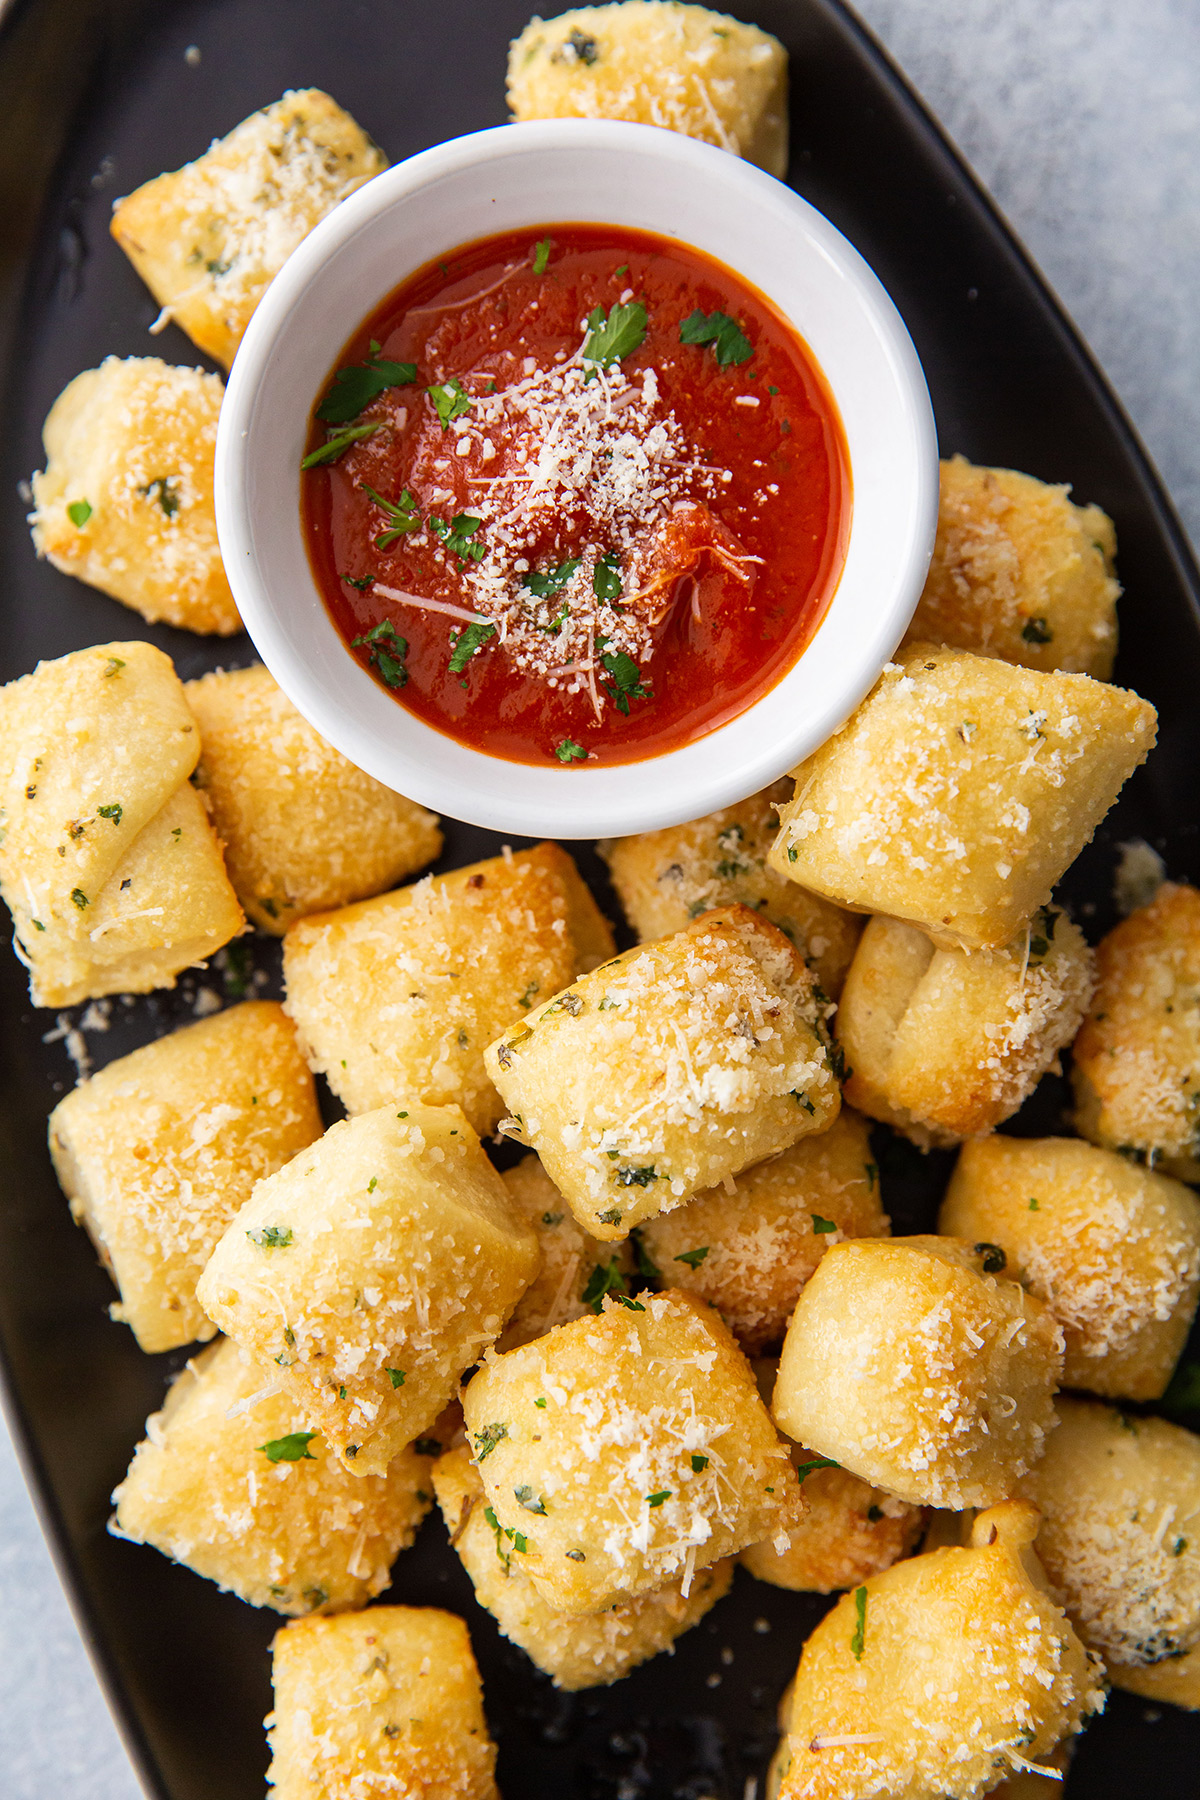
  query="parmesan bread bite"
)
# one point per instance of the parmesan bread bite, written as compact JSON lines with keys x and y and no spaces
{"x":1113,"y":1250}
{"x":108,"y":863}
{"x":849,"y":1530}
{"x":574,"y":1652}
{"x":628,"y":1450}
{"x":208,"y":239}
{"x":664,"y":879}
{"x":1119,"y":1498}
{"x":749,"y":1246}
{"x":303,"y":829}
{"x":385,"y":1702}
{"x":654,"y":62}
{"x":668,"y":1069}
{"x":157,"y":1153}
{"x":1020,"y":572}
{"x":125,"y":501}
{"x":917,"y":1369}
{"x":939,"y":1676}
{"x":960,"y":791}
{"x":945,"y":1044}
{"x":570,"y":1258}
{"x":373,"y":1269}
{"x":230,"y":1481}
{"x":1137,"y":1059}
{"x":402,"y":994}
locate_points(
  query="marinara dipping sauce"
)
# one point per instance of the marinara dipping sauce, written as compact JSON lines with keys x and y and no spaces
{"x":577,"y":496}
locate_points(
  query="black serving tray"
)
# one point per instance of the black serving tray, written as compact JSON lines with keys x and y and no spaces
{"x":95,"y":97}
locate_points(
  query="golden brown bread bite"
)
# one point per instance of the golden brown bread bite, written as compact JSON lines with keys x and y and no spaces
{"x":209,"y":238}
{"x":1176,"y":1679}
{"x":108,"y":863}
{"x":384,"y":1704}
{"x":749,"y":1246}
{"x":665,"y":879}
{"x":125,"y":501}
{"x":960,"y":791}
{"x":569,"y":1262}
{"x":668,"y":1069}
{"x":655,"y":62}
{"x":574,"y":1652}
{"x":1020,"y":572}
{"x":938,"y":1677}
{"x":372,"y":1270}
{"x":946,"y":1044}
{"x":157,"y":1153}
{"x":1137,"y":1058}
{"x":230,"y":1481}
{"x":1120,"y":1504}
{"x":403,"y":993}
{"x":1113,"y":1250}
{"x":303,"y":829}
{"x":641,"y":1434}
{"x":914,"y":1364}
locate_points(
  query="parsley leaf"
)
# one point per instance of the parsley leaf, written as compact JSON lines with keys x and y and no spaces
{"x":820,"y":1225}
{"x":657,"y":1499}
{"x":729,"y":342}
{"x":113,"y":812}
{"x":629,"y":1176}
{"x":611,"y":339}
{"x":335,"y":443}
{"x":79,"y":512}
{"x":553,"y":579}
{"x":567,"y":752}
{"x":606,"y":577}
{"x":386,"y":652}
{"x":293,"y":1448}
{"x":605,"y":1278}
{"x":355,"y":387}
{"x":468,"y":641}
{"x":1036,"y":631}
{"x":459,"y":535}
{"x":810,"y":1468}
{"x":271,"y":1237}
{"x":541,"y":255}
{"x":627,"y":683}
{"x":165,"y":490}
{"x":396,"y":1377}
{"x":450,"y":400}
{"x":361,"y":582}
{"x":525,"y":1496}
{"x":858,"y":1642}
{"x":402,"y":516}
{"x":992,"y":1256}
{"x":488,"y":1438}
{"x":693,"y":1258}
{"x":699,"y":1464}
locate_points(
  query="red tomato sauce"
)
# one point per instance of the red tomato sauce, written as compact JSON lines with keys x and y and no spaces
{"x":635,"y":534}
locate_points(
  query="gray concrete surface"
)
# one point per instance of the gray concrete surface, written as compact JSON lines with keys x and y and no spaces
{"x":1083,"y":118}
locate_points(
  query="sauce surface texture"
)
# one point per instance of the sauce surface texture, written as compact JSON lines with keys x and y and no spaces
{"x":576,"y":497}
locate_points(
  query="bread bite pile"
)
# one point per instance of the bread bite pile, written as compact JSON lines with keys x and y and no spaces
{"x":672,"y":1334}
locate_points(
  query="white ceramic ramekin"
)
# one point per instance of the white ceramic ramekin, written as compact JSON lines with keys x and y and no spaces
{"x":541,"y":175}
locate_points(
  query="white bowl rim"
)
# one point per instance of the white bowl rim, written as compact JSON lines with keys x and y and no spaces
{"x":434,"y":768}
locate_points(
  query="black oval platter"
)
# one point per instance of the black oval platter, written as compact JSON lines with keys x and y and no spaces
{"x":97,"y":97}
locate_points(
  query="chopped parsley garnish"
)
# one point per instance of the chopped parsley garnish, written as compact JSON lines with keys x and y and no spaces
{"x":354,"y":387}
{"x":488,"y":1438}
{"x":1042,"y":932}
{"x":569,"y":752}
{"x":541,"y":255}
{"x":113,"y":812}
{"x":606,"y":1278}
{"x":699,"y":1464}
{"x":693,"y":1258}
{"x":549,"y":1218}
{"x":730,"y":343}
{"x":165,"y":489}
{"x":809,"y":1468}
{"x":657,"y":1499}
{"x":553,"y":579}
{"x":361,"y":582}
{"x":576,"y":1556}
{"x":633,"y":1176}
{"x":584,"y":49}
{"x":79,"y":897}
{"x":468,"y":641}
{"x":402,"y":516}
{"x":802,"y":1099}
{"x":611,"y":339}
{"x":386,"y":652}
{"x":858,"y":1642}
{"x":427,"y":1447}
{"x":396,"y":1377}
{"x":606,"y":577}
{"x":113,"y":664}
{"x":1035,"y":1206}
{"x":335,"y":443}
{"x":993,"y":1256}
{"x":525,"y":1496}
{"x":539,"y":1402}
{"x":79,"y":512}
{"x":450,"y":400}
{"x":872,"y":1173}
{"x":293,"y":1448}
{"x":271,"y":1237}
{"x":1036,"y":631}
{"x":820,"y":1225}
{"x":611,"y":1217}
{"x":627,"y":683}
{"x":459,"y":536}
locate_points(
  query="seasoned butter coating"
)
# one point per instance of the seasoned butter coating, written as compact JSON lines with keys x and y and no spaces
{"x":1119,"y":1498}
{"x":108,"y":863}
{"x":946,"y":1044}
{"x":1112,"y":1249}
{"x":655,"y":62}
{"x":641,"y":1434}
{"x":665,"y":879}
{"x":403,"y":993}
{"x":1020,"y":572}
{"x":668,"y":1069}
{"x":749,"y":1246}
{"x":939,"y":1677}
{"x":304,"y":830}
{"x":575,"y":1652}
{"x":230,"y":1481}
{"x":372,"y":1271}
{"x":209,"y":238}
{"x":960,"y":791}
{"x":1137,"y":1058}
{"x":384,"y":1704}
{"x":158,"y":1152}
{"x":915,"y":1365}
{"x":569,"y":1256}
{"x":129,"y":450}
